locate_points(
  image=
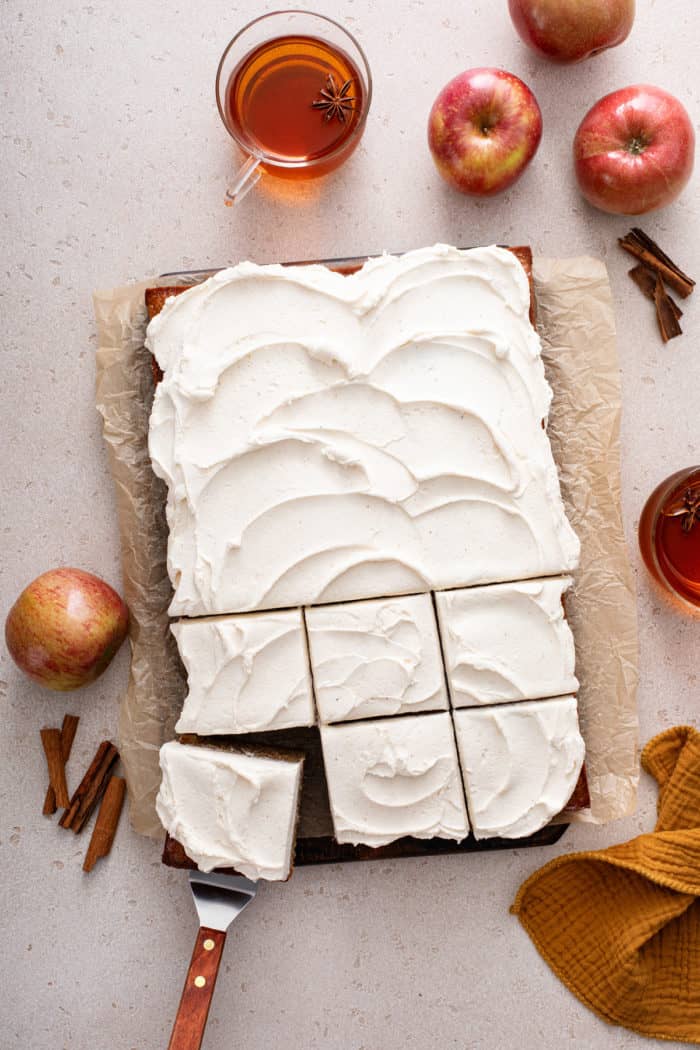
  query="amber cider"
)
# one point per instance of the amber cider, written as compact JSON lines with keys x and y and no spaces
{"x":269,"y":102}
{"x":669,"y":537}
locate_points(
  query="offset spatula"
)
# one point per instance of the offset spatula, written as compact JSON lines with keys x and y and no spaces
{"x":219,"y":899}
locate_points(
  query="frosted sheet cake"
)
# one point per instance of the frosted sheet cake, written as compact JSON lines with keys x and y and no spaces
{"x":331,"y":438}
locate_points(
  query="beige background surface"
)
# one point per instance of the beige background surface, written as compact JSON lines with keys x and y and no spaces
{"x":114,"y":165}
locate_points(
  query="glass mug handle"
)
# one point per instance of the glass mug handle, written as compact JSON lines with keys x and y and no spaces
{"x":246,"y":178}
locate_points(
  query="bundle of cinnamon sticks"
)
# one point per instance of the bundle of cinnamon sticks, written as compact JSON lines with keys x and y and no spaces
{"x":97,"y":786}
{"x":654,"y":271}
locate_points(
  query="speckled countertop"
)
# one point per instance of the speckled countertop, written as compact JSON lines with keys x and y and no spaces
{"x":113,"y":166}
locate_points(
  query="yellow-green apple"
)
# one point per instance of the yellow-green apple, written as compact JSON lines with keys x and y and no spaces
{"x":571,"y":30}
{"x":484,"y":129}
{"x":65,"y":627}
{"x":634,"y":150}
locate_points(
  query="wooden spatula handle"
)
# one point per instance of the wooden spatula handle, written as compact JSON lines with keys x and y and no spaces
{"x":191,"y":1020}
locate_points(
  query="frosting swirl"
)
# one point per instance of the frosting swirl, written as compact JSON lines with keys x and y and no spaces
{"x":520,"y":764}
{"x":390,"y":777}
{"x":245,"y":673}
{"x":230,"y":809}
{"x":327,"y":437}
{"x":376,"y":658}
{"x":506,"y":642}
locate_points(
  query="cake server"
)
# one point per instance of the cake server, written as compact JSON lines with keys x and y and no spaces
{"x":219,"y":899}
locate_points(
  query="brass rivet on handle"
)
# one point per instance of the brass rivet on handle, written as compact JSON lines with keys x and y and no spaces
{"x":208,"y":945}
{"x":200,"y":981}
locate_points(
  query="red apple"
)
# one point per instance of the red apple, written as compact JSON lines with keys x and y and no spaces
{"x":65,"y":627}
{"x":571,"y":30}
{"x":484,"y":129}
{"x":634,"y":150}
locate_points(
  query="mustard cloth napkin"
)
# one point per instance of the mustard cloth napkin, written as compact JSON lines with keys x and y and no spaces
{"x":621,"y":926}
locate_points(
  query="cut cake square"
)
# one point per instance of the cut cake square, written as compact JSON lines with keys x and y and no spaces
{"x":506,"y":642}
{"x":231,"y":808}
{"x":245,"y":674}
{"x":391,"y":777}
{"x":520,"y":763}
{"x":374,"y":658}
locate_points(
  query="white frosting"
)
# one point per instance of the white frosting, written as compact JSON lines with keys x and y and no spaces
{"x":376,"y":658}
{"x":520,"y":764}
{"x":245,"y":673}
{"x":229,"y":809}
{"x":391,"y":777}
{"x":327,"y":437}
{"x":507,"y":642}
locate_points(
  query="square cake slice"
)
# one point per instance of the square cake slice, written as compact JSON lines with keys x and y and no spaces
{"x":328,"y":437}
{"x":231,"y":808}
{"x":376,"y":658}
{"x":245,"y":674}
{"x":391,"y":777}
{"x":507,"y":642}
{"x":520,"y":764}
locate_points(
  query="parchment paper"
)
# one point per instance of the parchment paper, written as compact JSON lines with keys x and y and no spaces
{"x":575,"y":318}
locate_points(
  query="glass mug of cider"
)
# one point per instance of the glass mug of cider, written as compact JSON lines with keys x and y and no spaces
{"x":669,"y":537}
{"x":293,"y":90}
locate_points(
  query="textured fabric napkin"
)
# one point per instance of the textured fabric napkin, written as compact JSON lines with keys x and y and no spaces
{"x":621,"y":926}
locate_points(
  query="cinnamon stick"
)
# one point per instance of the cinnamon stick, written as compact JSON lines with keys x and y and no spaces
{"x":645,"y":279}
{"x":106,"y":824}
{"x":91,"y":788}
{"x":640,"y":245}
{"x":51,"y":742}
{"x":665,"y":315}
{"x":68,"y":730}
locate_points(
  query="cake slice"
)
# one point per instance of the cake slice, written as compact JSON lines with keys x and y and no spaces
{"x":245,"y":674}
{"x":376,"y":658}
{"x":507,"y":642}
{"x":520,"y":763}
{"x":391,"y":777}
{"x":231,"y":808}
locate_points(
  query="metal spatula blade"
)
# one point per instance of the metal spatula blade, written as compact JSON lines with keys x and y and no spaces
{"x":219,"y":899}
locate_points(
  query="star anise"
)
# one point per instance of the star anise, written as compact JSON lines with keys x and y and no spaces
{"x":687,"y":505}
{"x":692,"y":514}
{"x":335,"y":100}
